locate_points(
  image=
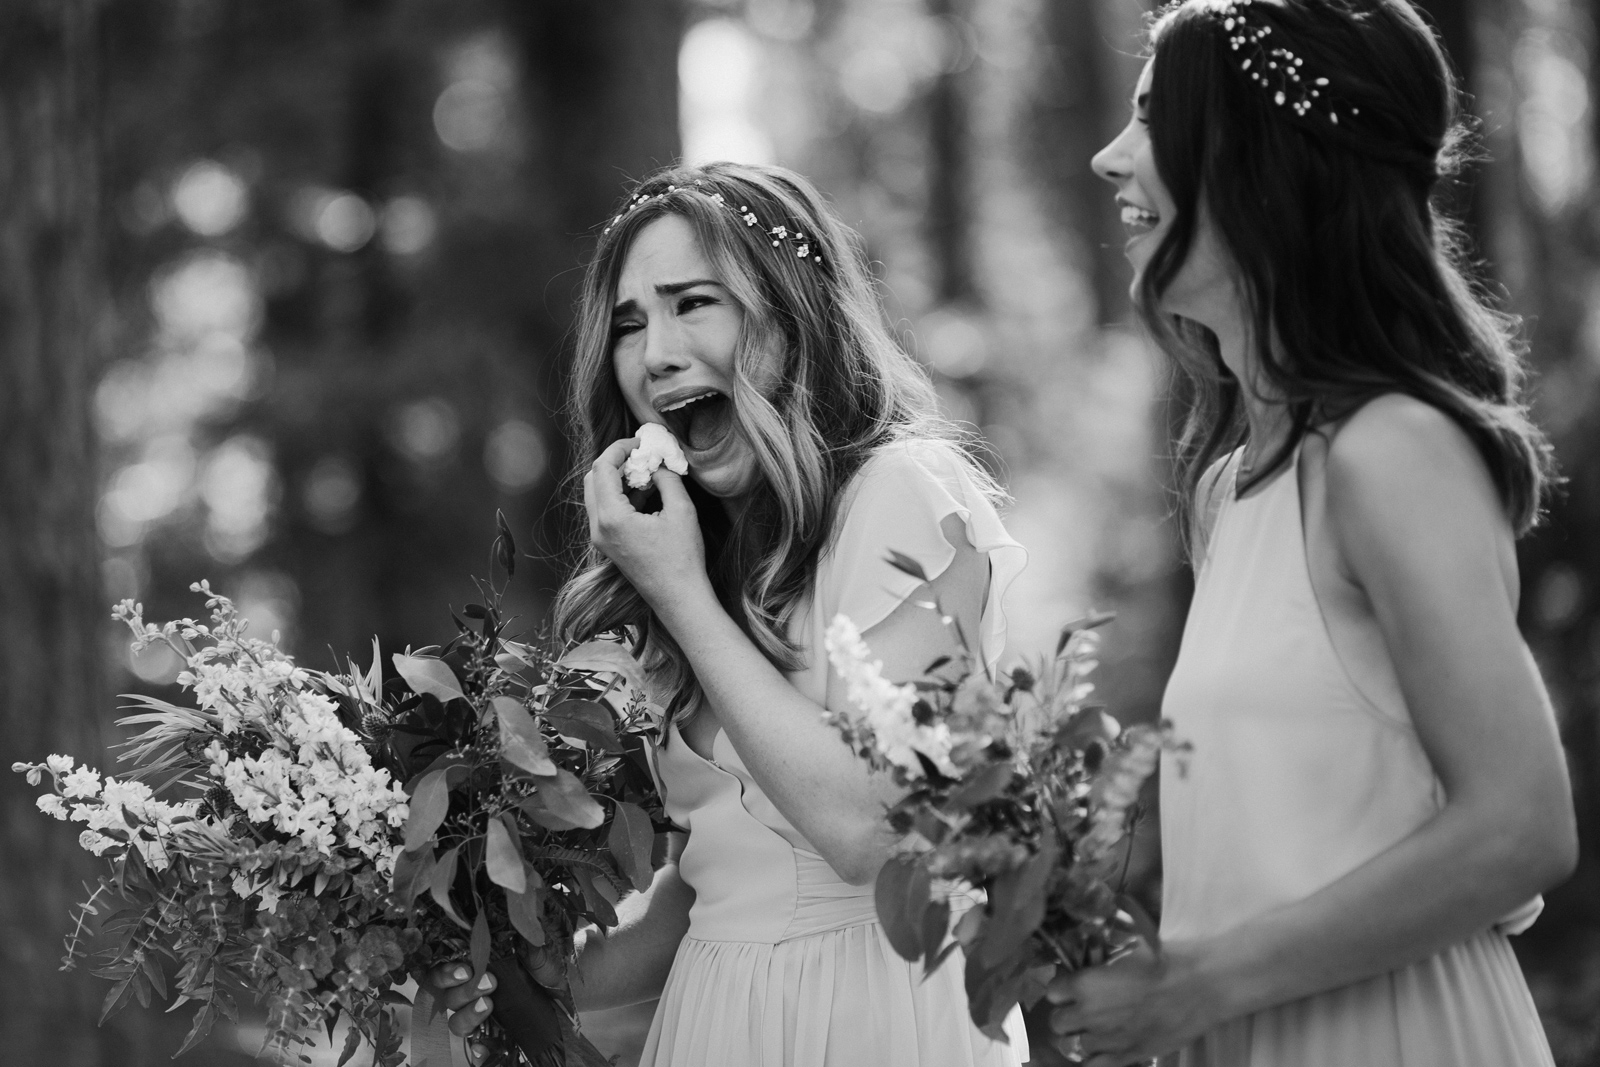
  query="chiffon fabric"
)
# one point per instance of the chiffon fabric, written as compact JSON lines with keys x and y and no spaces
{"x":1304,"y":766}
{"x":784,"y":963}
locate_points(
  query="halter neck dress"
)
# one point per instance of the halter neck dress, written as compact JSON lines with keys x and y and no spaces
{"x":785,"y":964}
{"x":1304,"y":766}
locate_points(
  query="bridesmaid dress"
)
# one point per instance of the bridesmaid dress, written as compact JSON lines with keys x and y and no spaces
{"x":1304,"y":767}
{"x":784,"y":963}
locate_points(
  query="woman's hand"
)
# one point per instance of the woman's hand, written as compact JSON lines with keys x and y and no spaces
{"x":469,"y":1003}
{"x":1133,"y":1010}
{"x":662,"y":554}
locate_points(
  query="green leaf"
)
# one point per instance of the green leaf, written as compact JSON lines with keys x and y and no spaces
{"x":203,"y":1021}
{"x":984,"y":786}
{"x":905,"y":564}
{"x":901,"y":894}
{"x":1016,"y":906}
{"x":429,"y":805}
{"x":352,"y":1041}
{"x":412,"y":873}
{"x":478,"y":947}
{"x":606,"y":657}
{"x":504,"y":858}
{"x":585,"y":720}
{"x":594,"y":894}
{"x":520,"y":743}
{"x":935,"y":925}
{"x":562,"y":803}
{"x":632,"y":839}
{"x":426,"y":674}
{"x":440,"y":881}
{"x":505,"y":546}
{"x":525,"y":912}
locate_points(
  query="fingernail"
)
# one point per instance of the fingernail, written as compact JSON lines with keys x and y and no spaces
{"x":461,"y":974}
{"x":482,"y":1004}
{"x":479,"y":1052}
{"x":486,"y":983}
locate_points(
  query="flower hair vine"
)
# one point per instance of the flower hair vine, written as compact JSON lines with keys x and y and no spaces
{"x":803,"y":247}
{"x":1278,"y":70}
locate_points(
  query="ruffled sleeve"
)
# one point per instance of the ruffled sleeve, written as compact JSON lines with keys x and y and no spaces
{"x":896,"y":504}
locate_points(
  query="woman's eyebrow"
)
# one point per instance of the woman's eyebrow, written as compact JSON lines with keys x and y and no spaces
{"x":674,"y":288}
{"x":629,"y":306}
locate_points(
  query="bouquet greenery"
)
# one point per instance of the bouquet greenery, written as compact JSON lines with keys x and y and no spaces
{"x":324,"y":835}
{"x":1017,"y":786}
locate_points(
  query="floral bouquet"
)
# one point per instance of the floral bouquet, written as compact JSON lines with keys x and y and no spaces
{"x":1018,"y":787}
{"x":312,"y":839}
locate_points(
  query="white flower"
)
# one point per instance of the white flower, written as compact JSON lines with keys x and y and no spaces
{"x":83,"y":782}
{"x":887,"y":708}
{"x":57,"y":765}
{"x":53,"y":805}
{"x":96,"y":843}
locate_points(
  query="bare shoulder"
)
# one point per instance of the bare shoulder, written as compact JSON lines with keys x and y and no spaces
{"x":1400,"y":450}
{"x":1405,"y":482}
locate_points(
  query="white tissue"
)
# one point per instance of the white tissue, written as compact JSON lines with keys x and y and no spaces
{"x":657,"y":448}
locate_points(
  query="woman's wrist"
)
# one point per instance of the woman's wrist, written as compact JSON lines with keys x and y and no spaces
{"x":1219,"y":978}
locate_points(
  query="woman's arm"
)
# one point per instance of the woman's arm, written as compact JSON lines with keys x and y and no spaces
{"x":627,"y":966}
{"x":1420,"y":529}
{"x":813,"y":779}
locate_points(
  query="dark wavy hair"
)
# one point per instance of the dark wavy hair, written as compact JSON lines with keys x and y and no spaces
{"x":1355,"y":280}
{"x":845,"y":390}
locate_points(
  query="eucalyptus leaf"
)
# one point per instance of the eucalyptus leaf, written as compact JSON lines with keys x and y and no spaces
{"x":504,"y":859}
{"x":439,"y":882}
{"x":1016,"y":905}
{"x":901,"y":895}
{"x":606,"y":657}
{"x":429,"y":805}
{"x":632,"y":839}
{"x":602,"y":908}
{"x":562,"y":803}
{"x":585,"y":720}
{"x":520,"y":743}
{"x":524,"y":910}
{"x":426,"y":674}
{"x":478,"y":944}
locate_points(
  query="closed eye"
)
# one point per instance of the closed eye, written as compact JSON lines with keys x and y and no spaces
{"x":696,"y":300}
{"x":620,"y":330}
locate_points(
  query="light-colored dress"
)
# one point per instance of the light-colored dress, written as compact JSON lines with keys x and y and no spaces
{"x":1303,"y":768}
{"x":785,"y":964}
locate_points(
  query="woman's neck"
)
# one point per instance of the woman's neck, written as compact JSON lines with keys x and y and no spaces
{"x":1267,"y":419}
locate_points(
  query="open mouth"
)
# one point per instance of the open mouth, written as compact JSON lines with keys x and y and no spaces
{"x":700,"y":422}
{"x":1137,"y":220}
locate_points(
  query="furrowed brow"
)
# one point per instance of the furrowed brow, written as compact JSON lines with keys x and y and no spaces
{"x":674,"y":288}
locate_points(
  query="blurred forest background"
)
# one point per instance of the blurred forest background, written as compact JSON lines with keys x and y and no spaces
{"x":284,"y":298}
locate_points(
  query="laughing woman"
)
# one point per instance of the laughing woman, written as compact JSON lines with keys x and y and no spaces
{"x":729,"y":303}
{"x":1376,"y":791}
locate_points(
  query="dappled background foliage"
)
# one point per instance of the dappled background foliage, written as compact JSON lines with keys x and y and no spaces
{"x":336,"y":247}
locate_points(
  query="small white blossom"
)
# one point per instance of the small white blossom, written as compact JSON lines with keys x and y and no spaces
{"x":53,"y":805}
{"x":83,"y":782}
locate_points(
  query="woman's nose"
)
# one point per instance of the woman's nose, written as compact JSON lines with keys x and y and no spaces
{"x":666,"y":349}
{"x":1112,"y":162}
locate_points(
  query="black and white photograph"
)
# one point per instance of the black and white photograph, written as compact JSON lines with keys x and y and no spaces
{"x":800,"y":533}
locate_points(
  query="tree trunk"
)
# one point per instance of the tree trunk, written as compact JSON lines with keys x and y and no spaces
{"x":51,"y":306}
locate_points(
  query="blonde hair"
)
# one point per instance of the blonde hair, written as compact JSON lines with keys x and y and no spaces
{"x":846,"y":389}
